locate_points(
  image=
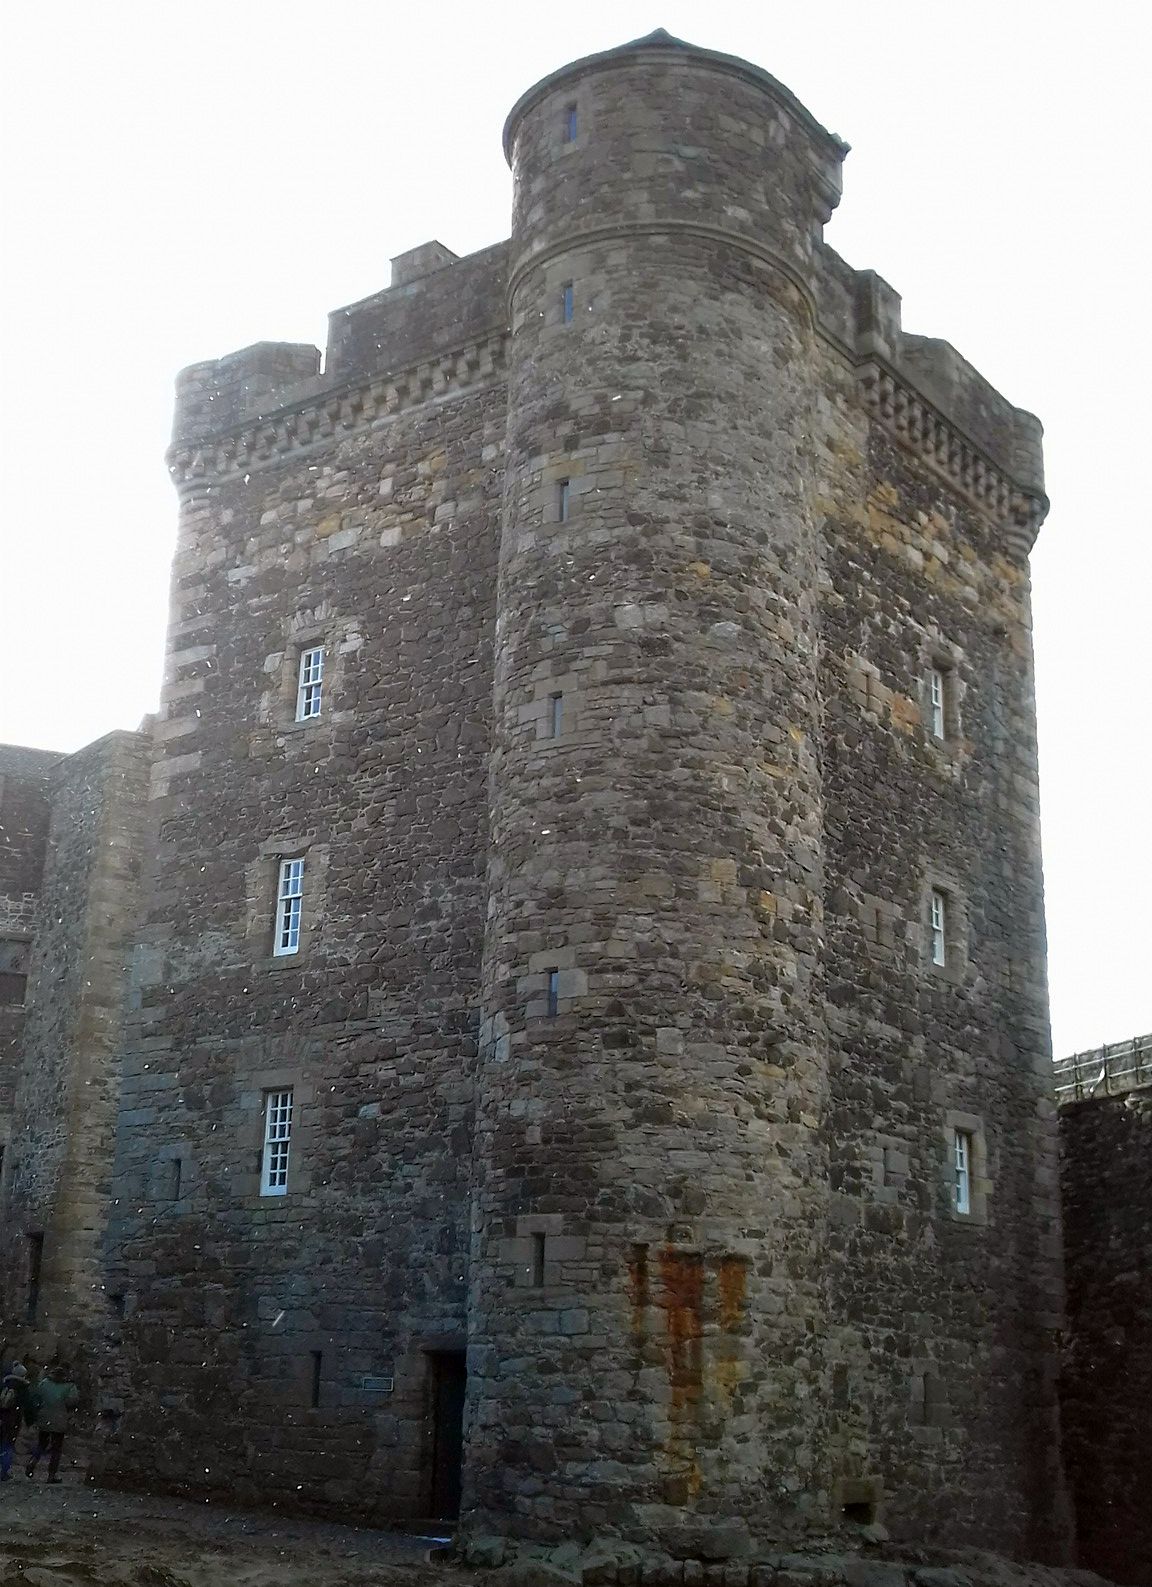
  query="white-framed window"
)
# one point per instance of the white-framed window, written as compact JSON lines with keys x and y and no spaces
{"x":962,"y":1172}
{"x":277,"y":1143}
{"x":289,"y":903}
{"x":937,"y":702}
{"x":938,"y":926}
{"x":310,"y":683}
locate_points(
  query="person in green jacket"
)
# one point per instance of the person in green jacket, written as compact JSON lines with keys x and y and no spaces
{"x":53,"y":1399}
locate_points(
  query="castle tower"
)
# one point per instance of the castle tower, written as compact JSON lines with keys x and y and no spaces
{"x":646,"y":1311}
{"x":594,"y":935}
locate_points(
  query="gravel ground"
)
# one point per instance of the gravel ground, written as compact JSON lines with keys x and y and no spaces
{"x":76,"y":1536}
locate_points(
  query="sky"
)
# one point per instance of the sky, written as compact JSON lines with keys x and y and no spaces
{"x":185,"y":180}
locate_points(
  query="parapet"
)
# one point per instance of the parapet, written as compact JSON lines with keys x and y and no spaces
{"x":935,"y":403}
{"x":420,"y":262}
{"x":223,"y":392}
{"x":436,"y":304}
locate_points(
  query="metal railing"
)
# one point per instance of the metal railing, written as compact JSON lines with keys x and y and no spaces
{"x":1105,"y":1071}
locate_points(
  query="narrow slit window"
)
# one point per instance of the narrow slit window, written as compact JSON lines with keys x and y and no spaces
{"x":567,"y":303}
{"x":962,"y":1172}
{"x":555,"y":715}
{"x":175,"y":1178}
{"x":310,"y":684}
{"x":35,"y":1268}
{"x":553,"y":993}
{"x":14,"y":956}
{"x":571,"y":124}
{"x":938,"y":927}
{"x":860,"y":1512}
{"x":289,"y":904}
{"x":317,"y":1377}
{"x":938,"y":702}
{"x":538,"y":1261}
{"x":563,"y":500}
{"x":277,"y":1143}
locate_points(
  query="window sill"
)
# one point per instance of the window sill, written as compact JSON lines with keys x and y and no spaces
{"x":283,"y":961}
{"x":948,"y":974}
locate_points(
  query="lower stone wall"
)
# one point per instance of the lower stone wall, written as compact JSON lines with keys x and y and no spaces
{"x":56,"y":1191}
{"x":1107,"y":1393}
{"x":866,"y":1559}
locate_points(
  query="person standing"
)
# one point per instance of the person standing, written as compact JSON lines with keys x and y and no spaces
{"x":15,"y":1411}
{"x":53,"y":1400}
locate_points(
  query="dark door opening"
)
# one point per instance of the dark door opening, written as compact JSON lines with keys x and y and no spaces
{"x":448,"y":1378}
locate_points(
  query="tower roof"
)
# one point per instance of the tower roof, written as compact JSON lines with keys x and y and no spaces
{"x":660,"y":40}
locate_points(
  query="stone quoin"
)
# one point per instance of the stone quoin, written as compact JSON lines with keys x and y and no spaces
{"x":586,"y":1063}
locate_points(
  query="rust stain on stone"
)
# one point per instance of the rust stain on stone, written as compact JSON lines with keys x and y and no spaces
{"x":638,"y":1292}
{"x":732,"y":1282}
{"x":682,"y":1299}
{"x":728,"y":1356}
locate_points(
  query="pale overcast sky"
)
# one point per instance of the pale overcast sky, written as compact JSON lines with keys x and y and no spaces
{"x":183,"y":180}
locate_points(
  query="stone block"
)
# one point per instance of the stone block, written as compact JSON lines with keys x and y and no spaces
{"x":532,"y":1572}
{"x":485,"y":1552}
{"x":873,"y":1573}
{"x":715,"y":1541}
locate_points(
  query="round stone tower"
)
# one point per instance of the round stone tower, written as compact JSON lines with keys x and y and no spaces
{"x":646,"y":1306}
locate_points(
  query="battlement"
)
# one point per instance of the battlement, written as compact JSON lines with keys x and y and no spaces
{"x":1108,"y":1071}
{"x":934,"y":401}
{"x":436,"y":302}
{"x":222,"y":392}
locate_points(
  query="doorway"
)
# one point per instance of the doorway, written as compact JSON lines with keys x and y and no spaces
{"x":448,"y":1378}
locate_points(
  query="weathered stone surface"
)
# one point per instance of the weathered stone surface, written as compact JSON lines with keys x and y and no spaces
{"x":873,"y":1573}
{"x":485,"y":1552}
{"x":25,"y":810}
{"x":66,"y":1096}
{"x":532,"y":1572}
{"x":616,"y":1048}
{"x":1106,"y":1176}
{"x":709,"y":1541}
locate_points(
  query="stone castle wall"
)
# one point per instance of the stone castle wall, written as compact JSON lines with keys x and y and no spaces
{"x":24,"y":814}
{"x":56,"y":1192}
{"x":1106,"y":1170}
{"x":946,"y":1328}
{"x":321,"y":1308}
{"x":662,"y":850}
{"x":617,"y":1053}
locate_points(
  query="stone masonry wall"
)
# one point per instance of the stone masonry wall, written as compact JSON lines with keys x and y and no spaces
{"x":661,"y":850}
{"x":24,"y":813}
{"x":1106,"y":1176}
{"x":57,"y":1190}
{"x":945,"y":1361}
{"x":621,"y":818}
{"x":321,"y":1310}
